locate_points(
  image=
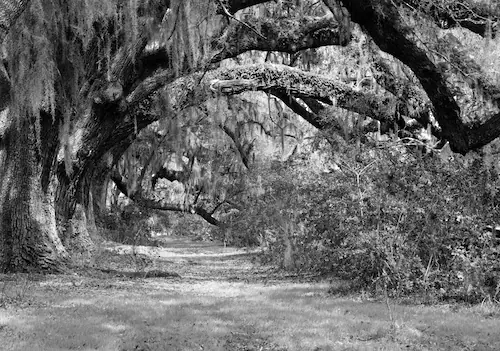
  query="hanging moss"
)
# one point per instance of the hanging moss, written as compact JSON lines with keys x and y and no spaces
{"x":187,"y":31}
{"x":56,"y":53}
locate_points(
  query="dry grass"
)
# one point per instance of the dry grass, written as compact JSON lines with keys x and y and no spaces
{"x":221,"y":304}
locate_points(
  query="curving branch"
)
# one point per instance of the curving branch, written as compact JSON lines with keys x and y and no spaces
{"x":279,"y":79}
{"x":283,"y":35}
{"x":289,"y":84}
{"x":382,"y":21}
{"x":158,"y":205}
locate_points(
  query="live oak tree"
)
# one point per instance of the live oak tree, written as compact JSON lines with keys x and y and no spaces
{"x":84,"y":78}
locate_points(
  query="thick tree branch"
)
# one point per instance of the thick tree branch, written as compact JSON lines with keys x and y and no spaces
{"x":289,"y":84}
{"x":382,"y":21}
{"x":284,"y":35}
{"x":148,"y":87}
{"x":282,"y":81}
{"x":196,"y":88}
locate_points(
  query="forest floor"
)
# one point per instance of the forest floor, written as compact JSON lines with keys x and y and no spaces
{"x":202,"y":296}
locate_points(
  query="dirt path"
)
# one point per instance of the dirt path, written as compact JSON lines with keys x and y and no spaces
{"x":202,"y":296}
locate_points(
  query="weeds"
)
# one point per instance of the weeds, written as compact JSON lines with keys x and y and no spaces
{"x":15,"y":290}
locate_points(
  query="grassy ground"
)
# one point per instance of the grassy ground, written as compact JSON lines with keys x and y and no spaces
{"x":223,"y":300}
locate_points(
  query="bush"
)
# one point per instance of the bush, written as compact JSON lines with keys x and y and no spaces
{"x":132,"y":226}
{"x":387,"y":220}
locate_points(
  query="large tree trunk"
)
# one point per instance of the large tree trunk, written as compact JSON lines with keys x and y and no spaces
{"x":100,"y":185}
{"x":28,"y":234}
{"x":74,"y":203}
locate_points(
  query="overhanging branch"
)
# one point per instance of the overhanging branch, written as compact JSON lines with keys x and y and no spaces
{"x":157,"y":205}
{"x":381,"y":19}
{"x":283,"y":35}
{"x":195,"y":89}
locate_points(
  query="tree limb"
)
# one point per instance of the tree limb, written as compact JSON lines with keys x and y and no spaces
{"x":157,"y":205}
{"x":382,"y":21}
{"x":283,"y":35}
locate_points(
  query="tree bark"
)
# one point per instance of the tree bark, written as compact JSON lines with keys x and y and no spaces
{"x":99,"y":189}
{"x":28,"y":235}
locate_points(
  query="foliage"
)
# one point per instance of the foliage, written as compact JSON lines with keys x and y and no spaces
{"x":190,"y":226}
{"x":385,"y":218}
{"x":133,"y":226}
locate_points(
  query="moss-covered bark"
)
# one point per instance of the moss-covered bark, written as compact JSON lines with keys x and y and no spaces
{"x":28,"y":235}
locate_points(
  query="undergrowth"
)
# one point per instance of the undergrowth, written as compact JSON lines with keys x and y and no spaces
{"x":390,"y":221}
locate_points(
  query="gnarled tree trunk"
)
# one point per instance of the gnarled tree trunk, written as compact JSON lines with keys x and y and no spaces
{"x":74,"y":203}
{"x":73,"y":212}
{"x":28,"y":234}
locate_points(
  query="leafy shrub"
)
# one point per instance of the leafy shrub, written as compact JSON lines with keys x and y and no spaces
{"x":191,"y":226}
{"x":386,"y":219}
{"x":132,"y":226}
